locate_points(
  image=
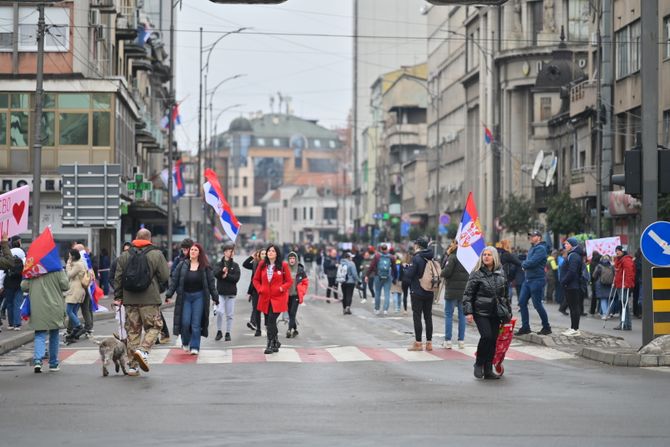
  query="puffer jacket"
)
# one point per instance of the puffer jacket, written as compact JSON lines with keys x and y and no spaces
{"x":75,"y":273}
{"x":177,"y":285}
{"x":534,"y":264}
{"x":571,"y":270}
{"x":481,"y":291}
{"x":414,"y":272}
{"x":624,"y":276}
{"x":456,"y":278}
{"x":227,"y":286}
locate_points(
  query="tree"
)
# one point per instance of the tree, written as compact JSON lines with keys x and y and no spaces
{"x":518,"y":215}
{"x":564,"y":216}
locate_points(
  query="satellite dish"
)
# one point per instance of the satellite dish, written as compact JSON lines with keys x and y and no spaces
{"x":545,"y":172}
{"x":551,"y":171}
{"x":537,"y":165}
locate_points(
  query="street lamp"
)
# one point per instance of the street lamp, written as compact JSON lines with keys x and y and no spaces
{"x":211,"y":101}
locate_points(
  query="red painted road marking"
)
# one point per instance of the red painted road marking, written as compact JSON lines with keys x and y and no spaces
{"x":450,"y":354}
{"x":308,"y":355}
{"x":179,"y":357}
{"x":65,"y":353}
{"x":248,"y":355}
{"x":381,"y":355}
{"x":518,"y":355}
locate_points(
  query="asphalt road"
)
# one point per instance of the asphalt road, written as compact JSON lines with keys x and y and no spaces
{"x":346,"y":380}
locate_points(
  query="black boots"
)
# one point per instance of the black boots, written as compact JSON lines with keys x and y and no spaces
{"x":219,"y":336}
{"x":273,"y":345}
{"x":488,"y":372}
{"x":268,"y":348}
{"x":479,"y":371}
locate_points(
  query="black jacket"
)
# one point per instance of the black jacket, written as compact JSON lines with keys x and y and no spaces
{"x":510,"y":263}
{"x":456,"y":278}
{"x":227,"y":286}
{"x":414,"y":272}
{"x":571,"y":270}
{"x":177,"y":285}
{"x":330,"y":266}
{"x":250,"y":264}
{"x":481,"y":291}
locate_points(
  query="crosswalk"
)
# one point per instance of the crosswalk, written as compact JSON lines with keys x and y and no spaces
{"x":332,"y":354}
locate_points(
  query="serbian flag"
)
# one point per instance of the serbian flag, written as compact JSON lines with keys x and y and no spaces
{"x":470,"y":236}
{"x":214,"y":196}
{"x":176,"y":117}
{"x":178,"y":184}
{"x":42,"y":256}
{"x":488,"y":136}
{"x":93,"y":289}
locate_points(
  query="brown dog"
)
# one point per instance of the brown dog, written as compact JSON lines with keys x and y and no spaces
{"x":114,"y":349}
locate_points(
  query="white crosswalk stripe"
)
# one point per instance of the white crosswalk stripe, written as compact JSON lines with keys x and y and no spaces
{"x":348,"y":354}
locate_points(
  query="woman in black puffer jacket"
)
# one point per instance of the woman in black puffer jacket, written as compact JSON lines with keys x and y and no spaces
{"x":486,"y":284}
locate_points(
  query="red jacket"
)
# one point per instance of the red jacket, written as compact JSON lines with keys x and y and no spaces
{"x":624,"y":272}
{"x":302,"y":289}
{"x":275,"y":291}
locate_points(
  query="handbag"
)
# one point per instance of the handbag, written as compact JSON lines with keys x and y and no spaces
{"x":503,"y":311}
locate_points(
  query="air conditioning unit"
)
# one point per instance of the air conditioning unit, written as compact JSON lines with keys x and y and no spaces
{"x":99,"y":33}
{"x":93,"y":17}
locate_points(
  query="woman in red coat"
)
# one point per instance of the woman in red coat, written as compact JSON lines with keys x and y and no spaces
{"x":272,"y":280}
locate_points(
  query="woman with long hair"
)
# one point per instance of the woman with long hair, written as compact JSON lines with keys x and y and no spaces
{"x":272,"y":280}
{"x":486,"y":287}
{"x":194,"y":283}
{"x":251,"y":263}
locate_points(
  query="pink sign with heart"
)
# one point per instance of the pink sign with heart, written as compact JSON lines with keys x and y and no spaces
{"x":14,"y":211}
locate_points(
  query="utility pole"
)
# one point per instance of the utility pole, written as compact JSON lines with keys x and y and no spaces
{"x":198,"y":178}
{"x":354,"y":125}
{"x":37,"y":136}
{"x":598,"y":126}
{"x":649,"y":78}
{"x":171,"y":105}
{"x":438,"y":147}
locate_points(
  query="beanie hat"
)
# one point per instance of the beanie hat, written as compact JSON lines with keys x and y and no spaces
{"x":573,"y":241}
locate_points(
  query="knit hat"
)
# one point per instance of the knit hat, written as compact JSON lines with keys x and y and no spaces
{"x":572,"y":241}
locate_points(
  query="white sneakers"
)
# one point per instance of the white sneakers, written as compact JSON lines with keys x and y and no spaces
{"x":363,"y":301}
{"x":195,"y":352}
{"x":571,"y":333}
{"x":461,"y":344}
{"x":142,"y":359}
{"x":446,"y":344}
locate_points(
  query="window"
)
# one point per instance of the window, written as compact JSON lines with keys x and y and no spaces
{"x":545,"y":109}
{"x":276,"y":142}
{"x":332,"y":144}
{"x":311,"y":211}
{"x":472,"y":49}
{"x":73,"y":128}
{"x":48,"y":129}
{"x":56,"y":39}
{"x":304,"y":213}
{"x":330,"y":213}
{"x":101,"y":128}
{"x":627,"y":42}
{"x":244,"y":201}
{"x":295,"y":213}
{"x":579,"y":13}
{"x":666,"y":37}
{"x":317,"y":143}
{"x":260,"y":141}
{"x":244,"y":182}
{"x":536,"y":15}
{"x":6,"y":28}
{"x":236,"y":201}
{"x":18,"y":129}
{"x":666,"y":128}
{"x":634,"y":45}
{"x":3,"y":128}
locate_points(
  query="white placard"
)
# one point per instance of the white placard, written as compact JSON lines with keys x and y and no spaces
{"x":604,"y":246}
{"x":14,"y":211}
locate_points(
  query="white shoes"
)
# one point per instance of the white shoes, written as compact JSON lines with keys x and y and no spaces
{"x":386,"y":312}
{"x":571,"y":333}
{"x":446,"y":344}
{"x":195,"y":352}
{"x":376,"y":311}
{"x":461,"y":344}
{"x":185,"y":348}
{"x":363,"y":301}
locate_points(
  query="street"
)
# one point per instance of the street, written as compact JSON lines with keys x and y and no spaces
{"x":343,"y":380}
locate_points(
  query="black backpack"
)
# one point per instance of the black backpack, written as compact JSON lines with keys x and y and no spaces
{"x":137,"y":275}
{"x":13,"y":275}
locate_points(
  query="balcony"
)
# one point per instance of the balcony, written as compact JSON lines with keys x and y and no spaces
{"x":582,"y":97}
{"x":104,"y":6}
{"x":149,"y":133}
{"x":405,"y":135}
{"x":583,"y":182}
{"x":126,"y":21}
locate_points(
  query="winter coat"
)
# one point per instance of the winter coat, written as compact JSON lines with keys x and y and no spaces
{"x":227,"y":286}
{"x":274,"y":291}
{"x":482,"y":290}
{"x":571,"y":270}
{"x":352,"y":272}
{"x":47,"y":306}
{"x":160,"y":274}
{"x":7,"y":260}
{"x":535,"y":262}
{"x":602,"y":290}
{"x":372,"y":268}
{"x":75,"y":273}
{"x":456,"y":278}
{"x":510,"y":264}
{"x":251,"y":264}
{"x":177,"y":285}
{"x":330,"y":267}
{"x":624,"y":276}
{"x":415,"y":271}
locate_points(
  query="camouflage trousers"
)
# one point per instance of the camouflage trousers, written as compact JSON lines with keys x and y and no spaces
{"x":147,"y":317}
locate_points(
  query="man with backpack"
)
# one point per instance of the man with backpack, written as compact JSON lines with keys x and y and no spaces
{"x":12,"y":263}
{"x":381,"y":272}
{"x":330,"y":270}
{"x":140,"y":272}
{"x":347,"y":277}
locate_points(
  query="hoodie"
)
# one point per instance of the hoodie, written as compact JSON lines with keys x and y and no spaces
{"x":571,"y":270}
{"x":534,"y":264}
{"x":415,"y":271}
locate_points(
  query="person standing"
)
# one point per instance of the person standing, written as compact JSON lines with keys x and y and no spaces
{"x":251,"y":263}
{"x":456,"y":278}
{"x":330,"y":269}
{"x":12,"y":262}
{"x":103,"y":270}
{"x":381,"y":272}
{"x":139,"y":273}
{"x":533,"y":286}
{"x":396,"y":285}
{"x":593,"y":265}
{"x":511,"y":265}
{"x":422,"y":300}
{"x":571,"y":275}
{"x":624,"y":282}
{"x":87,"y":304}
{"x":368,"y":255}
{"x":296,"y":293}
{"x":603,"y":277}
{"x":227,"y":274}
{"x":193,"y":281}
{"x":551,"y":276}
{"x":273,"y":281}
{"x":486,"y":287}
{"x":78,"y":280}
{"x":349,"y":283}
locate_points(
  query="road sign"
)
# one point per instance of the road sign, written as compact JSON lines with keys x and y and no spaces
{"x":660,"y":290}
{"x":404,"y":229}
{"x":443,"y":230}
{"x":655,"y":243}
{"x":445,"y":219}
{"x":91,"y":195}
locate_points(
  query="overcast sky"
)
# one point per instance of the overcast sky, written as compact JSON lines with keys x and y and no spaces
{"x":314,"y":71}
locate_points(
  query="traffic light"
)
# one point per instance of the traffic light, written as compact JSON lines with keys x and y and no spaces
{"x":262,"y":2}
{"x":467,"y":2}
{"x":631,"y":179}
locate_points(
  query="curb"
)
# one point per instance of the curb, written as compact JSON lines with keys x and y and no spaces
{"x":624,"y":358}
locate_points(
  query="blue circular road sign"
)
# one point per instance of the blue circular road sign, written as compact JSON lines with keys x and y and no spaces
{"x":655,"y":243}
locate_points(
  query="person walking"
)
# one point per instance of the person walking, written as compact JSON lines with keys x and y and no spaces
{"x":251,"y":263}
{"x":571,"y":275}
{"x":381,"y":272}
{"x":396,"y":285}
{"x":594,"y":262}
{"x":139,"y":273}
{"x":296,"y":293}
{"x":422,"y":300}
{"x":368,"y":256}
{"x":551,"y":276}
{"x":227,"y":273}
{"x":603,"y":277}
{"x":330,"y":269}
{"x":486,"y":287}
{"x":624,"y":282}
{"x":193,"y":281}
{"x":272,"y":280}
{"x":78,"y":280}
{"x":456,"y":277}
{"x":349,"y":282}
{"x":533,"y":286}
{"x":12,"y":262}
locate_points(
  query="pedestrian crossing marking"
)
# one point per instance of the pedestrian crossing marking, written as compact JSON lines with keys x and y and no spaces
{"x":414,"y":356}
{"x":284,"y":355}
{"x":83,"y":357}
{"x":159,"y":355}
{"x":348,"y":354}
{"x":541,"y":352}
{"x":214,"y":356}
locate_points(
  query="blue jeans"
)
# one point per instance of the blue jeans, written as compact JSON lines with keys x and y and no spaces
{"x":191,"y":319}
{"x":40,"y":347}
{"x":449,"y":319}
{"x":71,"y":309}
{"x":533,"y":289}
{"x":14,"y":297}
{"x":379,"y":285}
{"x":397,"y":298}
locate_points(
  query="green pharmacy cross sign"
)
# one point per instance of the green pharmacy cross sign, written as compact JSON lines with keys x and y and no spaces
{"x":139,"y":186}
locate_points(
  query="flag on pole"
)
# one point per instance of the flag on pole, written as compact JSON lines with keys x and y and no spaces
{"x":94,"y":290}
{"x":488,"y":135}
{"x":214,"y":197}
{"x":178,"y":185}
{"x":42,"y":256}
{"x":470,"y":236}
{"x":176,"y":117}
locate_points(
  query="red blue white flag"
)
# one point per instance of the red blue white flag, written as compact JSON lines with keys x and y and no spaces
{"x":470,"y":236}
{"x":488,"y":135}
{"x":176,"y":118}
{"x":42,"y":256}
{"x":214,"y":197}
{"x":178,"y":184}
